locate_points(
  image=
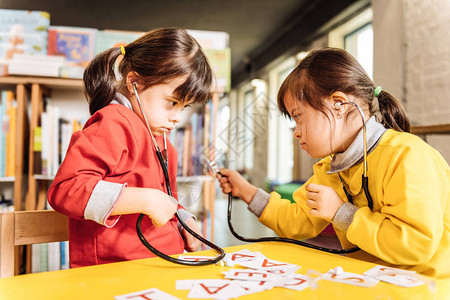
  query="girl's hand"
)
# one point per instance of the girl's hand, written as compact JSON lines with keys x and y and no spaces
{"x":192,"y":243}
{"x":161,"y":208}
{"x":232,"y":182}
{"x":154,"y":203}
{"x":323,"y":201}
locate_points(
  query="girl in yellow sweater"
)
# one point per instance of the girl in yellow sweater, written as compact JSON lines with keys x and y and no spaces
{"x":403,"y":218}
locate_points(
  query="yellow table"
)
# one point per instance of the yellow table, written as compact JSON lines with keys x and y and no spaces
{"x":107,"y":281}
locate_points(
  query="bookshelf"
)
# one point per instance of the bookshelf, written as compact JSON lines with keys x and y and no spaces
{"x":30,"y":189}
{"x":21,"y":95}
{"x":40,"y":87}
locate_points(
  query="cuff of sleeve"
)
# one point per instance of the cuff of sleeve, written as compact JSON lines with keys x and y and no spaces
{"x":184,"y":216}
{"x":344,"y":216}
{"x":259,"y":202}
{"x":103,"y":199}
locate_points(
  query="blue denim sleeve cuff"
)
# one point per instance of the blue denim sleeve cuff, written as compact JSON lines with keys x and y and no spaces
{"x":102,"y":201}
{"x":259,"y":202}
{"x":344,"y":216}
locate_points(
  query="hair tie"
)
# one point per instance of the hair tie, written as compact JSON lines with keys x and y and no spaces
{"x":122,"y":49}
{"x":377,"y":91}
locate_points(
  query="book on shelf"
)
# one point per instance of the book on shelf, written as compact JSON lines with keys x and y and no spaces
{"x":8,"y":112}
{"x":51,"y":140}
{"x":36,"y":65}
{"x":37,"y":150}
{"x":215,"y":45}
{"x":49,"y":257}
{"x":220,"y":62}
{"x":218,"y":40}
{"x":192,"y":141}
{"x":6,"y":205}
{"x":76,"y":44}
{"x":107,"y":39}
{"x":22,"y":32}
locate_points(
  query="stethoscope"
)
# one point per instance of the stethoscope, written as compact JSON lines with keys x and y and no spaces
{"x":163,"y":160}
{"x":365,"y":179}
{"x":365,"y":186}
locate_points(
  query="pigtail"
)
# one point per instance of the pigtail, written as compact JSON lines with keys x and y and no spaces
{"x":100,"y":82}
{"x":393,"y":115}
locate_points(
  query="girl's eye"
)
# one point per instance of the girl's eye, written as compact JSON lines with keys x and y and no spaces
{"x":296,"y":117}
{"x":173,"y":103}
{"x":186,"y":106}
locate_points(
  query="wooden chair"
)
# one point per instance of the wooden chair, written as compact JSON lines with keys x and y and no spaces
{"x":26,"y":228}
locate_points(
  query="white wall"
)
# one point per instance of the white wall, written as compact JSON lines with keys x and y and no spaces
{"x":412,"y":60}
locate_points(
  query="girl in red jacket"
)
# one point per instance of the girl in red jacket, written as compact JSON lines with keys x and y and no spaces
{"x":111,"y":173}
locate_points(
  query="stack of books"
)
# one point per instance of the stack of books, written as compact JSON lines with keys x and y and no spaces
{"x":36,"y":65}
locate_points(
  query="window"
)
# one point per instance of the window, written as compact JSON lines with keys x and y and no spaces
{"x":280,"y":146}
{"x":356,"y":36}
{"x":248,"y":129}
{"x":360,"y":44}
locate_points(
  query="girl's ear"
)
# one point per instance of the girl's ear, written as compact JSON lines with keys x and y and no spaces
{"x":132,"y":79}
{"x":337,"y":99}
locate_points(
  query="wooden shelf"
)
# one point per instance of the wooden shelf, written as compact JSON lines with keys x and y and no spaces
{"x":7,"y":179}
{"x":44,"y":177}
{"x":431,"y":129}
{"x":52,"y":82}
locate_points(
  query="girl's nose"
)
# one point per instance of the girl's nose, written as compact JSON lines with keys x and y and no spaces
{"x":175,"y":117}
{"x":297,"y":133}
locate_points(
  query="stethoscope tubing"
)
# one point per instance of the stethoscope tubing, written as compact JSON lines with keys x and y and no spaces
{"x":279,"y":239}
{"x":141,"y":236}
{"x":184,"y":225}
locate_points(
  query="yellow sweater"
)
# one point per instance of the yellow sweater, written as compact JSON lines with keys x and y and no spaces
{"x":409,"y":226}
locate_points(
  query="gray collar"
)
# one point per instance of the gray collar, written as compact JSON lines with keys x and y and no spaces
{"x":355,"y":153}
{"x":121,"y":99}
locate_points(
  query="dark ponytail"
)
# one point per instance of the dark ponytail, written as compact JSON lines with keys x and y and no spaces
{"x":100,"y":83}
{"x":393,"y":116}
{"x":325,"y":71}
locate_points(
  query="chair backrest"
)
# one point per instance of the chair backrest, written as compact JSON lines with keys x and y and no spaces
{"x":26,"y":228}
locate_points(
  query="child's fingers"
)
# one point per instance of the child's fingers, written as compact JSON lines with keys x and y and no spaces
{"x":312,"y":187}
{"x":226,"y":188}
{"x":312,"y":195}
{"x":311,"y":203}
{"x":223,"y":179}
{"x":314,"y":212}
{"x":225,"y":172}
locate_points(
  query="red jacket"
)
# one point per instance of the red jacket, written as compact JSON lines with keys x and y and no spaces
{"x":114,"y":146}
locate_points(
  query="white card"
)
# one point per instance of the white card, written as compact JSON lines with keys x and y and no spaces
{"x":267,"y":264}
{"x":250,"y":287}
{"x":153,"y":294}
{"x":241,"y":256}
{"x":395,"y":276}
{"x":195,"y":258}
{"x":265,"y":285}
{"x":254,"y":275}
{"x":186,"y":284}
{"x":288,"y":271}
{"x":298,"y":282}
{"x":401,"y":279}
{"x":351,"y":278}
{"x":381,"y":270}
{"x":214,"y":289}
